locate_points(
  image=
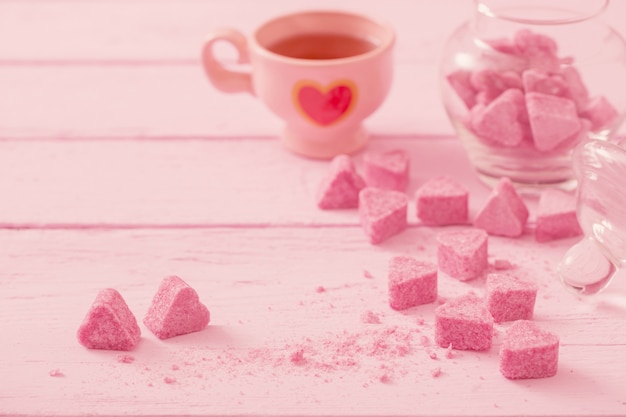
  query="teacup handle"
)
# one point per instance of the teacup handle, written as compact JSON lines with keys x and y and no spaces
{"x":222,"y":78}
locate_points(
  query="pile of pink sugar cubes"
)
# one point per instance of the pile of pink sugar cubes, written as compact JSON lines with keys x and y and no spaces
{"x":110,"y":324}
{"x":467,"y":322}
{"x":530,"y":97}
{"x":380,"y":197}
{"x":379,"y":194}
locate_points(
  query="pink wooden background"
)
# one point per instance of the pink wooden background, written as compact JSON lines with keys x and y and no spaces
{"x":119,"y":165}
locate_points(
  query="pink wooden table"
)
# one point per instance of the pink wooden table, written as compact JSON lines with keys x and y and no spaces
{"x":119,"y":165}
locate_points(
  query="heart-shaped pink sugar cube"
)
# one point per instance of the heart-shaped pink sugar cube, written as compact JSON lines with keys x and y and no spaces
{"x":465,"y":323}
{"x":528,"y":352}
{"x":109,"y":324}
{"x":383,"y":213}
{"x":499,"y":121}
{"x":386,"y":169}
{"x":341,"y":186}
{"x":175,"y":310}
{"x":504,"y":213}
{"x":462,"y":254}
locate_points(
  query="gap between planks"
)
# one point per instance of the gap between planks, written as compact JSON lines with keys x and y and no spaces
{"x":204,"y":138}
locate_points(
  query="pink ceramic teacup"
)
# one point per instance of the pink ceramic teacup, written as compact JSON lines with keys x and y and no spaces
{"x":322,"y":72}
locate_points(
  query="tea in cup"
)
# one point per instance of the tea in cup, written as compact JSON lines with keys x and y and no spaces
{"x":322,"y":72}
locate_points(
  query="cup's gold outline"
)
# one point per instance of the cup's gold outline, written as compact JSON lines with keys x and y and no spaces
{"x":325,"y":89}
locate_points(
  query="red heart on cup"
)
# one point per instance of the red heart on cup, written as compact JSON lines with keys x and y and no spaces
{"x":325,"y":105}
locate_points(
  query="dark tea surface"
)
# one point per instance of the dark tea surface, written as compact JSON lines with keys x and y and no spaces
{"x":321,"y":46}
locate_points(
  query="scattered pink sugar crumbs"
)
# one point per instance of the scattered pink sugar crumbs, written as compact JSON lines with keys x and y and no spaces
{"x":510,"y":298}
{"x":320,"y":289}
{"x":528,"y":352}
{"x":462,"y":254}
{"x":502,"y":264}
{"x":125,"y":358}
{"x":556,"y":216}
{"x":411,"y":282}
{"x":367,"y":274}
{"x":345,"y":350}
{"x":169,"y":380}
{"x":370,"y":317}
{"x":297,"y":357}
{"x":449,"y":352}
{"x":109,"y":324}
{"x":504,"y":213}
{"x":382,"y":213}
{"x":465,"y":323}
{"x":340,"y":187}
{"x":436,"y":372}
{"x":56,"y":372}
{"x":386,"y":169}
{"x":385,"y":378}
{"x":442,"y":201}
{"x":175,"y":310}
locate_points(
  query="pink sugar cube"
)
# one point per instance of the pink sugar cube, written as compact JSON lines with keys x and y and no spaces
{"x":600,"y":112}
{"x":175,"y":310}
{"x":578,"y":90}
{"x":460,"y":82}
{"x":499,"y":121}
{"x":528,"y":352}
{"x":383,"y":213}
{"x":503,"y":45}
{"x":388,"y":170}
{"x":442,"y":201}
{"x":511,"y":79}
{"x":509,"y":298}
{"x":465,"y":323}
{"x":581,"y":135}
{"x":341,"y":186}
{"x":545,"y":83}
{"x":504,"y":55}
{"x":109,"y":324}
{"x":539,"y":50}
{"x":411,"y":282}
{"x":489,"y":84}
{"x":552,"y":119}
{"x":504,"y":213}
{"x":556,"y":216}
{"x":462,"y":254}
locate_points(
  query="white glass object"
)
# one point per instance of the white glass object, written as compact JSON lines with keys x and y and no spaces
{"x":588,"y":266}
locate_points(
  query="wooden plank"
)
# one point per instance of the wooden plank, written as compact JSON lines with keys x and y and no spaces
{"x":129,"y":31}
{"x":262,"y":287}
{"x":141,"y":76}
{"x":171,"y":180}
{"x":160,"y":31}
{"x":175,"y":101}
{"x":191,"y":182}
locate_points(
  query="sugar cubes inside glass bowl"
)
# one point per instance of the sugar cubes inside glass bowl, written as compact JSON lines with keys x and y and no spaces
{"x":525,"y":81}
